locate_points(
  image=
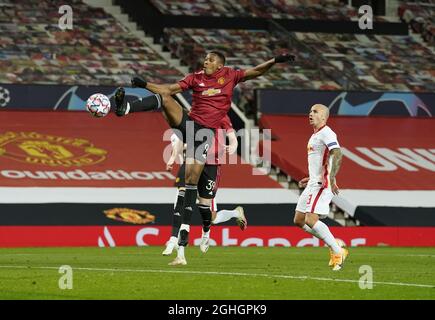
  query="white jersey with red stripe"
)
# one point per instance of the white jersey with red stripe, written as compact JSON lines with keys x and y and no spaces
{"x":319,"y":162}
{"x":318,"y":194}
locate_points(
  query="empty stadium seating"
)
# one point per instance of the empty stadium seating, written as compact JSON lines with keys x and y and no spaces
{"x":97,"y":51}
{"x":324,"y":61}
{"x":421,"y":17}
{"x":377,"y":63}
{"x":318,"y":9}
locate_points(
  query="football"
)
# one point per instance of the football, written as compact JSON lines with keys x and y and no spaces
{"x":5,"y":97}
{"x":98,"y":105}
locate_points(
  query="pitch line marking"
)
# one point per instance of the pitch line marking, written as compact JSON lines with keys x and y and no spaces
{"x":229,"y":274}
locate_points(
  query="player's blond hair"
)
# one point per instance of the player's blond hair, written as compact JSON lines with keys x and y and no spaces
{"x":324,"y":109}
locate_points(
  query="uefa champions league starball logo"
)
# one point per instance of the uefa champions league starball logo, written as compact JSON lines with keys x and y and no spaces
{"x":5,"y":97}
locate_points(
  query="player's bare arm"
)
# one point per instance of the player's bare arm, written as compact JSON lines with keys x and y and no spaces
{"x":265,"y":66}
{"x":336,"y":156}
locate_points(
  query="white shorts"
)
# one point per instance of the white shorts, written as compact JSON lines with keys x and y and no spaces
{"x":315,"y":199}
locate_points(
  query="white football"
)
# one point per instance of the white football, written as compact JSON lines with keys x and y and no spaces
{"x":98,"y":105}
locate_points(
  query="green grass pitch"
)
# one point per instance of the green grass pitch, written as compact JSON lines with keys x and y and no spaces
{"x":222,"y":273}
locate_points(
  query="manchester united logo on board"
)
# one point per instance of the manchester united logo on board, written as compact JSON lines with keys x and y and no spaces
{"x":49,"y":150}
{"x":130,"y":215}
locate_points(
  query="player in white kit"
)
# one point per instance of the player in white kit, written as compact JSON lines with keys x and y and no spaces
{"x":324,"y":160}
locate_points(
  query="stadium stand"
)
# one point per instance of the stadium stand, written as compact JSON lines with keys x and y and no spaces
{"x":375,"y":63}
{"x":333,"y":9}
{"x":421,"y":18}
{"x":98,"y":51}
{"x":378,"y":63}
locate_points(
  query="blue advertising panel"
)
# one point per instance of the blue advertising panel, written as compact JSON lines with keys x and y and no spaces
{"x":351,"y":103}
{"x":16,"y":96}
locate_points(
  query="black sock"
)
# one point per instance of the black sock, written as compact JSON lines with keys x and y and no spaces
{"x":189,"y":202}
{"x":178,"y":211}
{"x":206,"y":217}
{"x":153,"y":102}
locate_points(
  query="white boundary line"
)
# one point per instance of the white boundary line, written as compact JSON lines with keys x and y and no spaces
{"x":159,"y":195}
{"x":230,"y":274}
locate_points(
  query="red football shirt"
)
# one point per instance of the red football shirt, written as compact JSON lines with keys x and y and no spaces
{"x":211,"y":94}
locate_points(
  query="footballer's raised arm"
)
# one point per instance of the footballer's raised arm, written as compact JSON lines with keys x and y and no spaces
{"x":261,"y":69}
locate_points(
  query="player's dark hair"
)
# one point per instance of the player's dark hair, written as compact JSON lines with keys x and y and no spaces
{"x":220,"y":56}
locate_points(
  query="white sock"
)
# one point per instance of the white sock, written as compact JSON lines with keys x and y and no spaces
{"x":206,"y":234}
{"x":225,"y":215}
{"x":184,"y":227}
{"x":159,"y":101}
{"x":307,"y":228}
{"x":325,"y":234}
{"x":173,"y":239}
{"x":128,"y":108}
{"x":180,"y":252}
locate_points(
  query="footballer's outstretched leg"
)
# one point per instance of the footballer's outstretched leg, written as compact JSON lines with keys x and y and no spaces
{"x":122,"y":107}
{"x":224,"y":215}
{"x":172,"y":110}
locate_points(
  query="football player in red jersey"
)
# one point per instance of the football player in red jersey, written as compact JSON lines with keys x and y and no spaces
{"x":212,"y":92}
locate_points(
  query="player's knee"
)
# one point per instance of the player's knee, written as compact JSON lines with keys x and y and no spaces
{"x":192,"y":179}
{"x":299,"y":220}
{"x":299,"y":223}
{"x":165,"y":94}
{"x":311,"y":219}
{"x":204,"y":201}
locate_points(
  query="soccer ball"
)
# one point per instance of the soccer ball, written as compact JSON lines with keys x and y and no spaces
{"x":98,"y":105}
{"x":5,"y":97}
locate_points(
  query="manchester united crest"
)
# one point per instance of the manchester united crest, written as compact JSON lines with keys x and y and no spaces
{"x":49,"y":150}
{"x":130,"y":215}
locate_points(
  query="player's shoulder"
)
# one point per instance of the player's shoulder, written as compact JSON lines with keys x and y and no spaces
{"x":328,"y":131}
{"x":231,"y":69}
